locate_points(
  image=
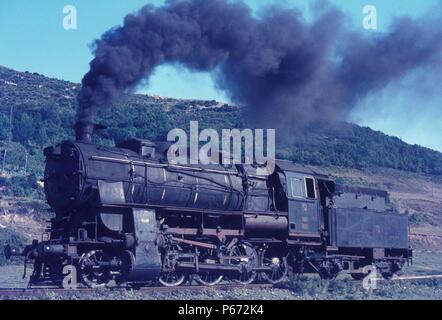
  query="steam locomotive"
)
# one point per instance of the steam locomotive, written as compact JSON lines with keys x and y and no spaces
{"x":125,"y":214}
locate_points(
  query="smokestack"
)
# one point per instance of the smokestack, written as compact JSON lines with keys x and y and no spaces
{"x":84,"y":131}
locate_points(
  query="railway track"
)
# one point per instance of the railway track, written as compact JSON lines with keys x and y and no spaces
{"x":414,"y":278}
{"x":26,"y":292}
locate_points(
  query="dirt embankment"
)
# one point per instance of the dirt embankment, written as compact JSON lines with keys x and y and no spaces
{"x":25,"y":216}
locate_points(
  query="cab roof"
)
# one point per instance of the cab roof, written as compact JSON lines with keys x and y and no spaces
{"x":289,"y":166}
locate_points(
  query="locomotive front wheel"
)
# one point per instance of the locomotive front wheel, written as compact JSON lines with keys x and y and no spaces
{"x":246,"y":258}
{"x":172,"y":279}
{"x":208,"y":278}
{"x":93,"y":270}
{"x":126,"y":261}
{"x":277,"y":263}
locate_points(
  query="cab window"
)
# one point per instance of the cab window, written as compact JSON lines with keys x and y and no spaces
{"x":310,"y":188}
{"x":297,"y":188}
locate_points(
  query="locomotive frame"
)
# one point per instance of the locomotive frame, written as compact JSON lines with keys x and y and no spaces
{"x":126,"y":214}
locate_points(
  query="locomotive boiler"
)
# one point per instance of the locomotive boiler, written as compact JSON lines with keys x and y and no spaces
{"x":126,"y":214}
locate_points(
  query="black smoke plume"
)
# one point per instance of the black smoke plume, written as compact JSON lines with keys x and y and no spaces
{"x":286,"y":70}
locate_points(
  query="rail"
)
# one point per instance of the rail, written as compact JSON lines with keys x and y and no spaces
{"x":28,"y":292}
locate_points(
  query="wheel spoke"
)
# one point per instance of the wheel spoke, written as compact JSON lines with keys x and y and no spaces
{"x":209,"y":278}
{"x":277,"y":263}
{"x":170,"y":277}
{"x":247,"y":260}
{"x":92,"y":273}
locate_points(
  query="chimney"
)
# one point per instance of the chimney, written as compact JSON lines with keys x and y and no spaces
{"x":84,"y":131}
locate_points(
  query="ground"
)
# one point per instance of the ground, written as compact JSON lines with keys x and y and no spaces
{"x":306,"y":287}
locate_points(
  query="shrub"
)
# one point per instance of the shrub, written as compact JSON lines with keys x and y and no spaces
{"x":8,"y":236}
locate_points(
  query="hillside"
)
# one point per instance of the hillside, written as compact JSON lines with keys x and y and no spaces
{"x":43,"y":112}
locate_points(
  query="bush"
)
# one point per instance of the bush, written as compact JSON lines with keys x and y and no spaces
{"x":21,"y":186}
{"x":8,"y":236}
{"x":4,"y":127}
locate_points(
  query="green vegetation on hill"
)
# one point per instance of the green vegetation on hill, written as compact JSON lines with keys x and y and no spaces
{"x":43,"y":113}
{"x":351,"y":146}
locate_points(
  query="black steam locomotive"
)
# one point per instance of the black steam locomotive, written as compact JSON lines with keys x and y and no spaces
{"x":126,"y":214}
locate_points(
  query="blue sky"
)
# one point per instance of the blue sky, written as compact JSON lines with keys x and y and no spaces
{"x":32,"y":39}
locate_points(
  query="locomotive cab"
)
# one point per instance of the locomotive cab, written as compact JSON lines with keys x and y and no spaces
{"x":302,"y":197}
